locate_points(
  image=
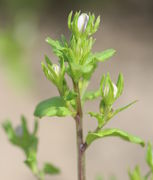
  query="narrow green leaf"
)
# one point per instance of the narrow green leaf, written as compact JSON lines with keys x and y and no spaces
{"x":50,"y":169}
{"x":149,"y":156}
{"x":55,"y":106}
{"x":9,"y":130}
{"x":53,"y":43}
{"x":123,"y":108}
{"x":69,"y":19}
{"x":105,"y":55}
{"x":120,"y":85}
{"x":36,"y":126}
{"x":47,"y":60}
{"x":113,"y":132}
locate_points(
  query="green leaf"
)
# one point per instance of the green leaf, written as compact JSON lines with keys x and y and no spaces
{"x":120,"y":85}
{"x":70,"y":95}
{"x":50,"y":169}
{"x":9,"y":130}
{"x":21,"y":137}
{"x":55,"y":106}
{"x":149,"y":156}
{"x":91,"y":95}
{"x":56,"y":46}
{"x":113,"y":132}
{"x":105,"y":55}
{"x":69,"y":19}
{"x":36,"y":126}
{"x":100,"y":118}
{"x":31,"y":161}
{"x":99,"y":178}
{"x":122,"y":108}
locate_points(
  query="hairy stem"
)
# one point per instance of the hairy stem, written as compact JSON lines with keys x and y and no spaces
{"x":79,"y":135}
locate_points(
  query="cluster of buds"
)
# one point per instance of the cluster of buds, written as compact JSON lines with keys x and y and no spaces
{"x":83,"y":23}
{"x":54,"y":73}
{"x":110,"y":91}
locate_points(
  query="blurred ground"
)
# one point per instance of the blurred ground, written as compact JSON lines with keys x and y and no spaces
{"x":127,"y":27}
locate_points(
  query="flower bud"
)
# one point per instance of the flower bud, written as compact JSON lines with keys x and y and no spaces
{"x":83,"y":21}
{"x":106,"y":90}
{"x":56,"y":68}
{"x":19,"y":131}
{"x":115,"y":90}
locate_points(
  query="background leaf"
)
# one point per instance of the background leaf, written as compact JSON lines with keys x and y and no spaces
{"x":149,"y":156}
{"x":50,"y":169}
{"x":136,"y":174}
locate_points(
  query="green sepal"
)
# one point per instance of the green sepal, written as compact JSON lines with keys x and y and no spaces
{"x":92,"y":136}
{"x":70,"y":19}
{"x":50,"y":169}
{"x":97,"y":23}
{"x":49,"y":73}
{"x":149,"y":156}
{"x":105,"y":55}
{"x":107,"y":90}
{"x":120,"y":85}
{"x":55,"y":106}
{"x":47,"y":60}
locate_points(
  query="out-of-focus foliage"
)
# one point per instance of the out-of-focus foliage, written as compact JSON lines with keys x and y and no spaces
{"x":17,"y":35}
{"x":28,"y":142}
{"x":101,"y":178}
{"x":136,"y":173}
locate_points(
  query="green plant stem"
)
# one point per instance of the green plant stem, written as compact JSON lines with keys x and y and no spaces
{"x":79,"y":135}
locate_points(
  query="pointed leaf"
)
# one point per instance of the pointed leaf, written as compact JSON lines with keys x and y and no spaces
{"x":120,"y":85}
{"x":50,"y":169}
{"x":91,"y":95}
{"x":55,"y":106}
{"x":105,"y":55}
{"x":113,"y":132}
{"x":136,"y":174}
{"x":149,"y":156}
{"x":123,"y":108}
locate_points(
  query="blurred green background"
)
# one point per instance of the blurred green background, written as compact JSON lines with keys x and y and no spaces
{"x":126,"y":26}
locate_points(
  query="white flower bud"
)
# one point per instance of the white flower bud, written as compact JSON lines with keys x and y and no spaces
{"x":106,"y":90}
{"x":56,"y":68}
{"x":83,"y":21}
{"x":115,"y":90}
{"x":19,"y":131}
